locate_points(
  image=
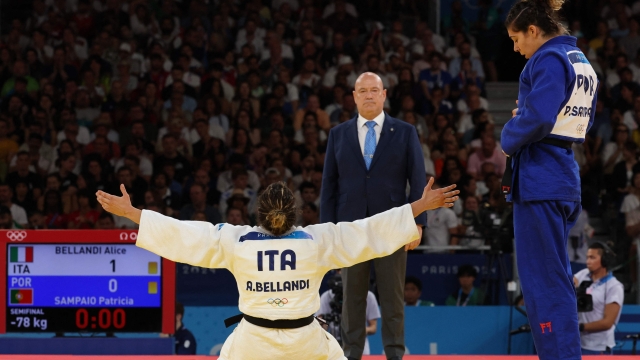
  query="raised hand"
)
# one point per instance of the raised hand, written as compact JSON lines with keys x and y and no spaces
{"x":443,"y":197}
{"x":119,"y":205}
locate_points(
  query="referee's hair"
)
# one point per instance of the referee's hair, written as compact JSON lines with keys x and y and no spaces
{"x":540,"y":13}
{"x":277,"y":209}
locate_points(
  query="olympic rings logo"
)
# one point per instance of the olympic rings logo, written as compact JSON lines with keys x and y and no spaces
{"x":277,"y":302}
{"x":16,"y":235}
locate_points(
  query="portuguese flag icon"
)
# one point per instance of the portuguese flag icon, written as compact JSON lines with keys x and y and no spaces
{"x":21,"y":254}
{"x":21,"y":296}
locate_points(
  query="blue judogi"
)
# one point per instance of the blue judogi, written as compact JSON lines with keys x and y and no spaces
{"x":556,"y":100}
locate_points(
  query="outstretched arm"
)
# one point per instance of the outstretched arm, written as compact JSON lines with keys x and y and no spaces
{"x":198,"y":243}
{"x":119,"y":205}
{"x":433,"y":199}
{"x":348,"y":243}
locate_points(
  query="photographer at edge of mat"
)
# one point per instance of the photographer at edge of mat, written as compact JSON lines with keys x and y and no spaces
{"x":600,"y":297}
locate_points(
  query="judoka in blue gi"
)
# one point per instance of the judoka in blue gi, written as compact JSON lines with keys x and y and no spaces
{"x":556,"y":106}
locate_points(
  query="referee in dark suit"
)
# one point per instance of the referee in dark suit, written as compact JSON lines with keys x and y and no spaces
{"x":369,"y":161}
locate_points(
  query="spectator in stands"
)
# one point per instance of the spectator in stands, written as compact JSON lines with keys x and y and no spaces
{"x":23,"y":197}
{"x":53,"y":210}
{"x":6,"y":221}
{"x":243,"y":97}
{"x":170,"y":152}
{"x":310,"y":214}
{"x":438,"y":103}
{"x":467,"y":294}
{"x":36,"y":220}
{"x":413,"y":291}
{"x":471,"y":223}
{"x":162,"y":192}
{"x":23,"y":173}
{"x":488,"y":152}
{"x":199,"y":204}
{"x":313,"y":105}
{"x":464,"y":48}
{"x":435,"y":77}
{"x":623,"y":170}
{"x":240,"y":201}
{"x":60,"y":71}
{"x":18,"y":214}
{"x":348,"y":106}
{"x":225,"y":181}
{"x":86,"y":215}
{"x":19,"y":71}
{"x":185,"y":341}
{"x":442,"y":227}
{"x":240,"y":178}
{"x":612,"y":153}
{"x":8,"y":147}
{"x":234,"y":216}
{"x":105,"y":221}
{"x":134,"y":184}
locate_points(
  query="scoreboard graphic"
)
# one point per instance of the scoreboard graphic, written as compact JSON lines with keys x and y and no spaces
{"x":97,"y":282}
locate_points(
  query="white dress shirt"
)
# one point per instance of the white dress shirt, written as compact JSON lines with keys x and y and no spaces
{"x":363,"y":129}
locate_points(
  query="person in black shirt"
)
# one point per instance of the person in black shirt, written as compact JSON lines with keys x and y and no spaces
{"x":22,"y":196}
{"x":135,"y":186}
{"x":67,"y":162}
{"x":95,"y":172}
{"x":22,"y":174}
{"x":203,"y":178}
{"x":185,"y":341}
{"x":182,"y":165}
{"x":160,"y":186}
{"x":141,"y":138}
{"x":208,"y":145}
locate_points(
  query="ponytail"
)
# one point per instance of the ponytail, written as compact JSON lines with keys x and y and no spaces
{"x":540,"y":13}
{"x":277,"y":209}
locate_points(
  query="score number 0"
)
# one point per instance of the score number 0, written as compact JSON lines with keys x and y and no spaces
{"x":113,"y":283}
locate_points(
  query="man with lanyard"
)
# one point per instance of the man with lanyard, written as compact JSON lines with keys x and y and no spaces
{"x":467,"y":294}
{"x":597,"y":322}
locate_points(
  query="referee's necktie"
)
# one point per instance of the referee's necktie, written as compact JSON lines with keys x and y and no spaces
{"x":369,"y":143}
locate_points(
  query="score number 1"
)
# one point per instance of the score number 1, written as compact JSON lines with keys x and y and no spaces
{"x":113,"y":283}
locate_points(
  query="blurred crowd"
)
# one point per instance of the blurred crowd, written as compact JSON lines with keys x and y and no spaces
{"x":197,"y":105}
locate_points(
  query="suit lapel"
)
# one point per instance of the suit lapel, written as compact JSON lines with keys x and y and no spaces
{"x":385,"y":139}
{"x":352,"y":140}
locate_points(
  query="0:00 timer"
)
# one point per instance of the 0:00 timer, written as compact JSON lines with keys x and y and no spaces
{"x":104,"y":320}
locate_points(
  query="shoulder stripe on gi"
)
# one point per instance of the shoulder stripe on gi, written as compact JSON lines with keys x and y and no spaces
{"x":296,"y":235}
{"x":577,"y":57}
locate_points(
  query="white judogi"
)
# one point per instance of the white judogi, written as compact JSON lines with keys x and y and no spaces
{"x":278,"y":277}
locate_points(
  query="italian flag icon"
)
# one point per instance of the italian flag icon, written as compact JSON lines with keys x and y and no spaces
{"x":21,"y":254}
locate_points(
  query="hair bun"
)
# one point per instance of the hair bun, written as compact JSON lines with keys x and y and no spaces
{"x":278,"y":218}
{"x":555,"y":4}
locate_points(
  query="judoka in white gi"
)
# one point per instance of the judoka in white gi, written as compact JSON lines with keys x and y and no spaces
{"x":278,"y":267}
